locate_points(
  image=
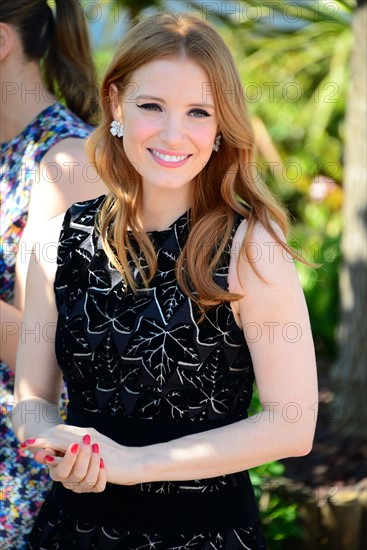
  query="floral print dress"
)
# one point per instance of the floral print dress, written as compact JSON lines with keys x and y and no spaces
{"x":23,"y":482}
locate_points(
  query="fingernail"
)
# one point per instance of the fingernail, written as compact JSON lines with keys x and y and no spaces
{"x":95,"y":448}
{"x":49,"y":458}
{"x":74,"y":449}
{"x":101,"y":463}
{"x":86,"y":439}
{"x":27,"y":442}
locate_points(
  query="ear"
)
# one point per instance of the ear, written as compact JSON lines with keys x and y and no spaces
{"x":116,"y":103}
{"x":6,"y":40}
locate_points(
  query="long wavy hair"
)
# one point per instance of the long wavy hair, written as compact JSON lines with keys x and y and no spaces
{"x":227,"y":176}
{"x":60,"y":43}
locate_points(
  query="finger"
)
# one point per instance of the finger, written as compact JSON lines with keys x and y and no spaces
{"x":53,"y":460}
{"x":42,"y":443}
{"x":101,"y":482}
{"x":28,"y":443}
{"x":89,"y":481}
{"x":39,"y":456}
{"x":82,"y":463}
{"x":63,"y":468}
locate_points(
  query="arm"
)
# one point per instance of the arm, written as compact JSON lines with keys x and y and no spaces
{"x":285,"y":371}
{"x":65,"y":176}
{"x":11,"y":319}
{"x":38,"y":379}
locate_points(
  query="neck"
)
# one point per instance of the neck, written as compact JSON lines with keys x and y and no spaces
{"x":162,"y":207}
{"x":24,"y":96}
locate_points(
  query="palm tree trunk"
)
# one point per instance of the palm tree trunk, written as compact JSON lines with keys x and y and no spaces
{"x":348,"y":374}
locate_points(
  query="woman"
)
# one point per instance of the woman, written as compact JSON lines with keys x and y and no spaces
{"x":158,"y":293}
{"x":43,"y":171}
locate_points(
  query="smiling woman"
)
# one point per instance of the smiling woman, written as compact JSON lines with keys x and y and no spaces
{"x":165,"y":129}
{"x":155,"y":289}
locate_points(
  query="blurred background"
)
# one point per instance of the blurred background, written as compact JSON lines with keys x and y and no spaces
{"x":303,"y":70}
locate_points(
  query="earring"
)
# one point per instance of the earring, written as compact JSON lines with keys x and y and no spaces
{"x":217,"y":143}
{"x":117,"y":129}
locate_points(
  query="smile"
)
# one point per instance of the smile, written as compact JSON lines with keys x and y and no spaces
{"x":169,"y":158}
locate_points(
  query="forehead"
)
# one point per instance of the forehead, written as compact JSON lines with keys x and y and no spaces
{"x":180,"y":77}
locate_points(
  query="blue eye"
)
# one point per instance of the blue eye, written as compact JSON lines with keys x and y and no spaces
{"x":199,"y":113}
{"x":149,"y":107}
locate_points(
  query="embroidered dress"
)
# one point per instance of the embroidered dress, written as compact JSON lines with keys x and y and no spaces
{"x":141,"y":369}
{"x":23,"y":483}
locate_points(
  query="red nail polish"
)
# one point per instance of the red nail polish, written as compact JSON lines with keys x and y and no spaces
{"x":101,"y":463}
{"x":30,"y":441}
{"x":74,"y":449}
{"x":95,"y":448}
{"x":23,"y":445}
{"x":49,"y":458}
{"x":86,"y":439}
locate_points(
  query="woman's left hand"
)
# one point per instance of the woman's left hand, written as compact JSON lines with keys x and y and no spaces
{"x":81,"y":469}
{"x":75,"y":455}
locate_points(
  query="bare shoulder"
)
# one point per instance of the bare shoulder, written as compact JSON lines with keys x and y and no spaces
{"x":66,"y":149}
{"x":271,"y":291}
{"x":273,"y":264}
{"x":66,"y":176}
{"x":67,"y":163}
{"x":46,"y":241}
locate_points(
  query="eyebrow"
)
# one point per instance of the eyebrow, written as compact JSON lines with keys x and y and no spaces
{"x":204,"y":105}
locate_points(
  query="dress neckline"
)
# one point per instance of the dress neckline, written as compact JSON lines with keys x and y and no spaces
{"x":180,"y":221}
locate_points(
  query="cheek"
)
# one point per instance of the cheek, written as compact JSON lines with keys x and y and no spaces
{"x":136,"y":133}
{"x":139,"y":130}
{"x":204,"y":138}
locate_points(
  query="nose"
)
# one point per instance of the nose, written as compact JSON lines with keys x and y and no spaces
{"x":173,"y":131}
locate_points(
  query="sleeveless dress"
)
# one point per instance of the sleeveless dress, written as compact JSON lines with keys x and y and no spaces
{"x":23,"y":482}
{"x":141,"y":369}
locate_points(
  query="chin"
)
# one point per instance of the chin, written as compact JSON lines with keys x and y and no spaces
{"x":170,"y":185}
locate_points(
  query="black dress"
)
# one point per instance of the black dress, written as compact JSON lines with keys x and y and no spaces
{"x":141,"y":369}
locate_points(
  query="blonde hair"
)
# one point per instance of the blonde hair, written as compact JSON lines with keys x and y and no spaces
{"x":227,"y":175}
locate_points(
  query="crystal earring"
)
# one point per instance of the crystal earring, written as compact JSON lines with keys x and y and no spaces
{"x":117,"y":129}
{"x":217,"y":143}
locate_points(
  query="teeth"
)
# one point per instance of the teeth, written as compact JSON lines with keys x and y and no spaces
{"x":169,"y":158}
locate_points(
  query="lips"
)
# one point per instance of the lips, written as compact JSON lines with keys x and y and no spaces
{"x":165,"y":157}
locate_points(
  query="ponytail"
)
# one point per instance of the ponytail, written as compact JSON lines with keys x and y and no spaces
{"x":61,"y":44}
{"x":68,"y":66}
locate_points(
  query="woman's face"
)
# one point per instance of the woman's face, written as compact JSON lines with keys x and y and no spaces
{"x":170,"y":122}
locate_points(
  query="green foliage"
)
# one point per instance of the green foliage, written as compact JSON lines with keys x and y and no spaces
{"x":320,"y":285}
{"x":102,"y":60}
{"x":295,"y":79}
